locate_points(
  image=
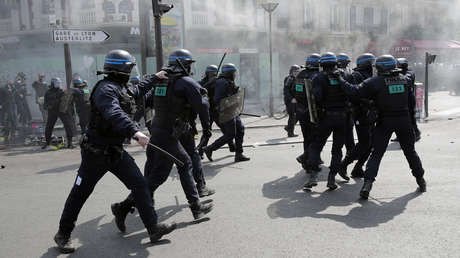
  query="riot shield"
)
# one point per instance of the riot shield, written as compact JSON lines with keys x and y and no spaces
{"x":312,"y":108}
{"x":231,"y":107}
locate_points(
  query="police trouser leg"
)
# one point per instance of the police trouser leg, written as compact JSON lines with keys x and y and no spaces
{"x":84,"y":120}
{"x":338,"y":141}
{"x":292,"y":120}
{"x":67,"y":121}
{"x":239,"y":135}
{"x":91,"y":170}
{"x":407,"y":141}
{"x":362,"y":148}
{"x":50,"y":122}
{"x":188,"y":142}
{"x":158,"y":172}
{"x":44,"y":112}
{"x":306,"y":133}
{"x":229,"y":133}
{"x":349,"y":137}
{"x":314,"y":149}
{"x":380,"y":138}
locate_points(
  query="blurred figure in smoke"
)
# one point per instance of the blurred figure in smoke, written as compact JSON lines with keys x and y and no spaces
{"x":8,"y":112}
{"x":21,"y":99}
{"x":40,"y":87}
{"x":289,"y":99}
{"x":209,"y":83}
{"x":403,"y":64}
{"x":53,"y":100}
{"x":81,"y":94}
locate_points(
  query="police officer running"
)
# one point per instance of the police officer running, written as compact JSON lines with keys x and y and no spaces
{"x":332,"y":101}
{"x":173,"y":100}
{"x":302,"y":113}
{"x":81,"y":95}
{"x":53,"y":98}
{"x":364,"y":115}
{"x":394,"y":100}
{"x":232,"y":129}
{"x":289,"y":99}
{"x":209,"y":83}
{"x":102,"y":149}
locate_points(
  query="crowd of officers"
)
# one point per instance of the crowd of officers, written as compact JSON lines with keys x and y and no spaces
{"x":177,"y":101}
{"x":53,"y":101}
{"x":327,"y":97}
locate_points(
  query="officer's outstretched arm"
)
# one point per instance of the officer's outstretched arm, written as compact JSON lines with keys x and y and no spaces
{"x":147,"y":84}
{"x":106,"y":101}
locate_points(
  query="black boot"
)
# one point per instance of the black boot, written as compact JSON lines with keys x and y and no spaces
{"x":120,"y":212}
{"x":331,"y":181}
{"x":201,"y":209}
{"x":418,"y":134}
{"x":313,"y":181}
{"x":207,"y":150}
{"x":239,"y":157}
{"x":204,"y":191}
{"x":421,"y":184}
{"x":69,"y":143}
{"x":357,"y":171}
{"x":366,"y":189}
{"x":301,"y":158}
{"x":64,"y":244}
{"x":159,"y":230}
{"x":343,"y":173}
{"x":292,"y":134}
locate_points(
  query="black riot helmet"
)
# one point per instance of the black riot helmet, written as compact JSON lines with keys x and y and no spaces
{"x":229,"y":71}
{"x":365,"y":61}
{"x":343,"y":60}
{"x":312,"y":61}
{"x":328,"y":60}
{"x":294,"y":68}
{"x":385,"y":64}
{"x":119,"y":62}
{"x":211,"y":71}
{"x":77,"y":83}
{"x":403,"y":64}
{"x":179,"y":58}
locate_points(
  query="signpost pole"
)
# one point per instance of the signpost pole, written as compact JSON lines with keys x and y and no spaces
{"x":68,"y":65}
{"x":427,"y":55}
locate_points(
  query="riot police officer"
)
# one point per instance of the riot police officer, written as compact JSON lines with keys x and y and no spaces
{"x":332,"y":101}
{"x":174,"y":101}
{"x":393,"y":98}
{"x":102,"y":149}
{"x":343,"y":60}
{"x":302,"y":113}
{"x":40,"y":87}
{"x":81,"y":95}
{"x":364,"y":116}
{"x":209,"y":83}
{"x":22,"y":106}
{"x":289,"y":99}
{"x":234,"y":128}
{"x":403,"y":64}
{"x":8,"y":112}
{"x":52,"y":103}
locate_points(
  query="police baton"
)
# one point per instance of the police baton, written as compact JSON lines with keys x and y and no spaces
{"x":178,"y":161}
{"x":252,"y":115}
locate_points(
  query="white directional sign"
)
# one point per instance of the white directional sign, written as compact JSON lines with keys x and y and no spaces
{"x":86,"y":36}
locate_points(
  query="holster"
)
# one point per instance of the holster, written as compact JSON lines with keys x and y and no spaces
{"x":113,"y":154}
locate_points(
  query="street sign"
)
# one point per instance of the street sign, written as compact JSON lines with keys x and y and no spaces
{"x":85,"y":36}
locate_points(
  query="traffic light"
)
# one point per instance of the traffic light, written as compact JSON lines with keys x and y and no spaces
{"x":430,"y":58}
{"x":159,"y":8}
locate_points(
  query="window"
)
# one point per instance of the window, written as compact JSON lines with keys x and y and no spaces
{"x":335,"y":18}
{"x":368,"y":18}
{"x":87,"y":4}
{"x":199,"y":5}
{"x":282,"y":13}
{"x":308,"y":14}
{"x":5,"y":10}
{"x":353,"y":23}
{"x":48,"y":7}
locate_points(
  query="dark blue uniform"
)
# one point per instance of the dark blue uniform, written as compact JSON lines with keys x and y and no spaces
{"x":82,"y":105}
{"x":53,"y":99}
{"x":174,"y":102}
{"x":331,"y":99}
{"x":363,"y":119}
{"x":232,"y":129}
{"x":349,"y":137}
{"x":289,"y":95}
{"x":393,"y":100}
{"x":102,"y":151}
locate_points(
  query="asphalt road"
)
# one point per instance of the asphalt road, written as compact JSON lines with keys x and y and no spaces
{"x":260,"y":208}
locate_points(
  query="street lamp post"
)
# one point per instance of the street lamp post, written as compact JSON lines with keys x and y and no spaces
{"x":158,"y":10}
{"x":270,"y":8}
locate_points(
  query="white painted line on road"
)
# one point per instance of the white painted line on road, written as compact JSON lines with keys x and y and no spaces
{"x":449,"y":112}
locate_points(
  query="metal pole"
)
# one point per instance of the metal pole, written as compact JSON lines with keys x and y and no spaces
{"x":426,"y":84}
{"x":158,"y":40}
{"x":271,"y":63}
{"x":142,"y":28}
{"x":68,"y":65}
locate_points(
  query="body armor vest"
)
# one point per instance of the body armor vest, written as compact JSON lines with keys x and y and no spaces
{"x":335,"y":98}
{"x":393,"y":99}
{"x":299,"y":88}
{"x":98,"y":124}
{"x":169,"y":108}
